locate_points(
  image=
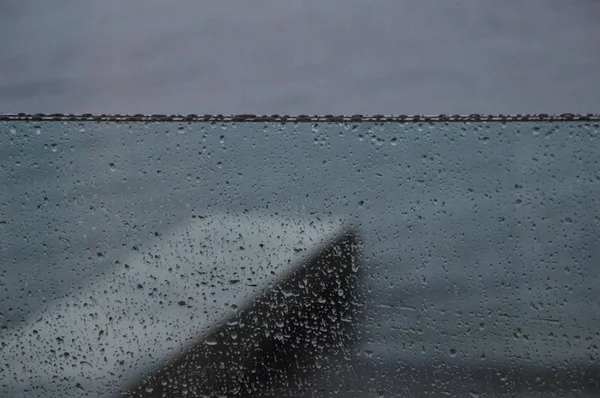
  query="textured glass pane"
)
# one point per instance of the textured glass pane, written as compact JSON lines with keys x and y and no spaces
{"x":299,"y":258}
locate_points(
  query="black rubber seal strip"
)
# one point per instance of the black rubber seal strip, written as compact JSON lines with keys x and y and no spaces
{"x":88,"y":117}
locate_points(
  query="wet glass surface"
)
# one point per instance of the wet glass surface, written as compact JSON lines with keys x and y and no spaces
{"x":299,"y":259}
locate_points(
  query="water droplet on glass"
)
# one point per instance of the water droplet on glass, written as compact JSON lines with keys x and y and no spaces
{"x":112,"y":166}
{"x":355,"y":265}
{"x":210,"y":340}
{"x":54,"y":147}
{"x":452,"y":352}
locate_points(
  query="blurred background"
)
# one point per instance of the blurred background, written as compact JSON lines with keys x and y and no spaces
{"x":309,"y":56}
{"x":480,"y":241}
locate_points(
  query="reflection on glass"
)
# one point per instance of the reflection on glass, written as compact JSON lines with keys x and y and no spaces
{"x":349,"y":259}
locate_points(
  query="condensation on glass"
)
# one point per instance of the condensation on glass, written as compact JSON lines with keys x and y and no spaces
{"x":305,"y":259}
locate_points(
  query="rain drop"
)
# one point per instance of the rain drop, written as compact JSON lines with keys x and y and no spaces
{"x":210,"y":340}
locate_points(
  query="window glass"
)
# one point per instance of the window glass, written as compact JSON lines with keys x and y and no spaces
{"x":288,"y":258}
